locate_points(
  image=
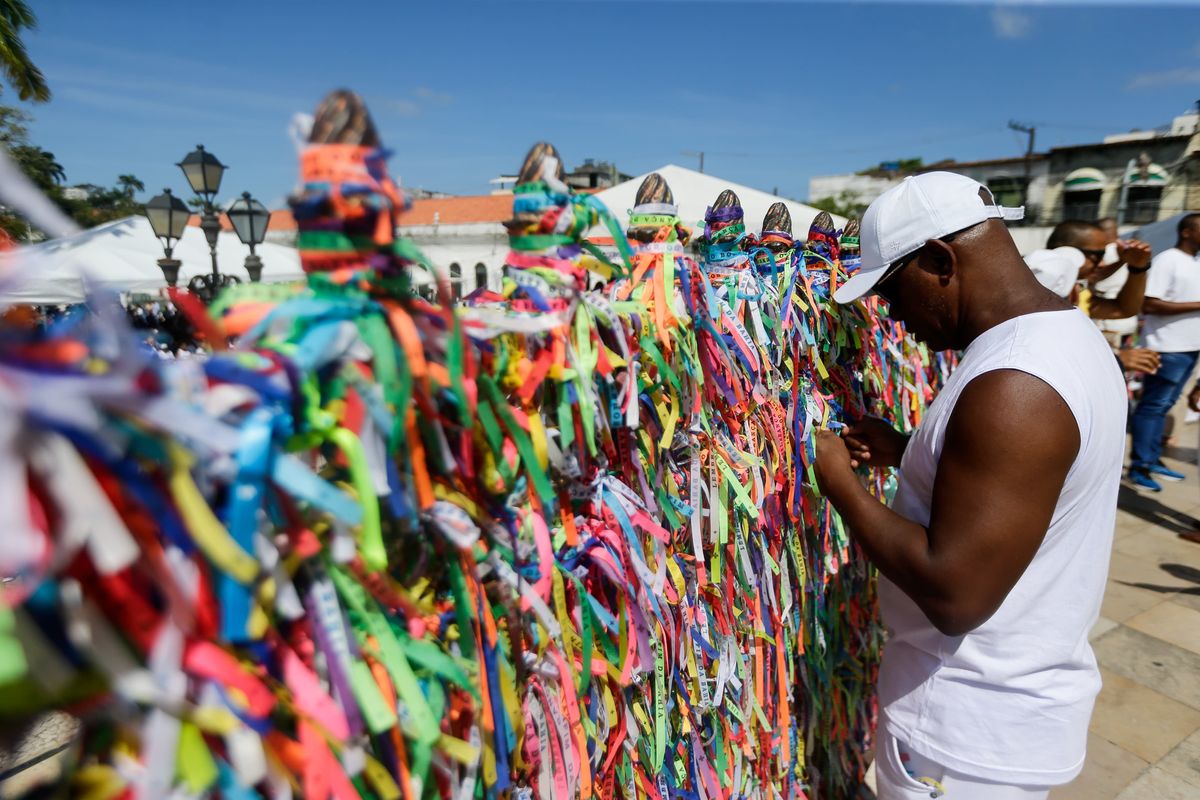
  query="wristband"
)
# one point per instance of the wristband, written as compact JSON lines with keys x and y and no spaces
{"x":1137,"y":270}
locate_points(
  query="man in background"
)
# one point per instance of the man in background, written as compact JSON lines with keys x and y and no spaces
{"x":1075,"y":252}
{"x":1091,"y":240}
{"x":1107,"y":281}
{"x":1171,"y":328}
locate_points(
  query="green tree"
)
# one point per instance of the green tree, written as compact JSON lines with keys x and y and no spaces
{"x":40,"y":165}
{"x":18,"y":69}
{"x":100,"y":203}
{"x":129,"y":184}
{"x":14,"y":126}
{"x":846,"y":204}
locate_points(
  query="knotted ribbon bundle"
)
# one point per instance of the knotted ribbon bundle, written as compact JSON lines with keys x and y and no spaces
{"x":562,"y":540}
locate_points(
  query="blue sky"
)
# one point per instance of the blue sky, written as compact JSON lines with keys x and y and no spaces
{"x":773,"y":93}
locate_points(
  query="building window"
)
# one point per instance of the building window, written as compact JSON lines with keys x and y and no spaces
{"x":1082,"y":191}
{"x":1007,"y":191}
{"x":455,"y":280}
{"x":1141,"y":204}
{"x":1084,"y":205}
{"x":1144,"y":182}
{"x":481,"y":276}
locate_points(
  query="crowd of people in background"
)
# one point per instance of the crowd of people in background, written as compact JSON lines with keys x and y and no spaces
{"x":1148,"y":307}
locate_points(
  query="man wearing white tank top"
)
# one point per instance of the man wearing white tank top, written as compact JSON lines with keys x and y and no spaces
{"x":994,"y":554}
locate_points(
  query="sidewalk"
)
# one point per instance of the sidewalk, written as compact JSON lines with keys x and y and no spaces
{"x":1144,"y":742}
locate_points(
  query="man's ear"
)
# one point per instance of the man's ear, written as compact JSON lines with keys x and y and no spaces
{"x":939,"y":259}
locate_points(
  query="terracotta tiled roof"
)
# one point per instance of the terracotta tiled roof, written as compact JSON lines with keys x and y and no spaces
{"x":449,"y":211}
{"x":459,"y":210}
{"x":281,"y":220}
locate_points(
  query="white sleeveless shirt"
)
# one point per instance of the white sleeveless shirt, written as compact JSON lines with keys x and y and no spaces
{"x":1010,"y":701}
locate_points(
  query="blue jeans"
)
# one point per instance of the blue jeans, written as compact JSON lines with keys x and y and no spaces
{"x":1159,"y":393}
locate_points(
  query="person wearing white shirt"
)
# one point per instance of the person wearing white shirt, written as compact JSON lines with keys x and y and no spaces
{"x":994,"y":552}
{"x":1059,"y":270}
{"x":1172,"y":329}
{"x":1107,"y":281}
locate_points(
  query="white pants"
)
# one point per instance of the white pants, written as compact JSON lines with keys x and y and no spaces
{"x":899,"y":773}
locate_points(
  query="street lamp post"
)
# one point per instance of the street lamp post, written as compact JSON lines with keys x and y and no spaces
{"x":249,"y":219}
{"x":168,"y":217}
{"x":203,"y":172}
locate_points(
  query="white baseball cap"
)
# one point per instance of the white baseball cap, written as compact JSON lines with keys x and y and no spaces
{"x":1056,"y":269}
{"x":905,"y":217}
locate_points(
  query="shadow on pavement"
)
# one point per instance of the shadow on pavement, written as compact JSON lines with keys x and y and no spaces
{"x":1179,"y":571}
{"x":1185,"y":454}
{"x":1147,"y":508}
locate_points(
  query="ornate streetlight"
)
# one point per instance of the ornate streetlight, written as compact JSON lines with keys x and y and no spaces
{"x":168,"y":217}
{"x":249,"y":219}
{"x":203,"y":172}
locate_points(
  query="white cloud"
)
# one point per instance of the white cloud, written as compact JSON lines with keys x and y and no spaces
{"x":433,"y":97}
{"x":1169,"y":77}
{"x":405,"y":108}
{"x":422,"y":99}
{"x":1009,"y":23}
{"x":119,"y":101}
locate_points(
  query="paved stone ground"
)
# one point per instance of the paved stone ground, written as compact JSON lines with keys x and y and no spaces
{"x":1144,"y":742}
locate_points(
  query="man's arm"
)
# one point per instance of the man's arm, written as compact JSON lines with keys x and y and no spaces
{"x":1009,"y":445}
{"x":1165,"y":308}
{"x":1129,"y":302}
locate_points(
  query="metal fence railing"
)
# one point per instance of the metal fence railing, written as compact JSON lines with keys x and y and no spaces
{"x":1139,"y":212}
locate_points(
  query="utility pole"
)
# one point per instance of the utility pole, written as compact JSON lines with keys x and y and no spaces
{"x":1031,"y":132}
{"x":1028,"y":130}
{"x":699,"y":153}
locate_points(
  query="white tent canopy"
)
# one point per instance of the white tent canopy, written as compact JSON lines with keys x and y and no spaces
{"x":121,"y":256}
{"x":695,"y":192}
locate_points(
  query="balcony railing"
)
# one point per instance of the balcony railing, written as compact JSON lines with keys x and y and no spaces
{"x":1139,"y":212}
{"x":1089,"y":212}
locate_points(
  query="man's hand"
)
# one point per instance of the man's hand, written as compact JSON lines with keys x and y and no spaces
{"x":1194,"y":398}
{"x":873,"y":442}
{"x":1139,"y":359}
{"x":1133,"y":252}
{"x":833,"y":464}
